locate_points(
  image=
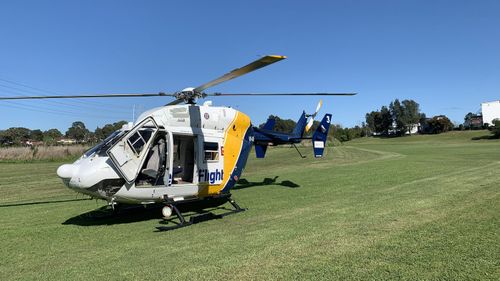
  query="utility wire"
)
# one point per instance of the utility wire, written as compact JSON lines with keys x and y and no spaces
{"x":18,"y":91}
{"x":36,"y":91}
{"x":12,"y":90}
{"x":57,"y":112}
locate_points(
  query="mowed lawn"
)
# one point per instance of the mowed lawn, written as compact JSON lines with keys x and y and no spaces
{"x":420,"y":208}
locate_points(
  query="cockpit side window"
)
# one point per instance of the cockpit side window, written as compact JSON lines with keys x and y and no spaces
{"x":139,"y":139}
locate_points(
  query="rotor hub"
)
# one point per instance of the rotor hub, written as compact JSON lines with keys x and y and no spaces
{"x":189,"y":95}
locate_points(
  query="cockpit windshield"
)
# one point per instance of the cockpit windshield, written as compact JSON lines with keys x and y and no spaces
{"x":101,"y":148}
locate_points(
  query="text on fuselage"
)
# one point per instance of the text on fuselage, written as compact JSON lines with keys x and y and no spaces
{"x":211,"y":177}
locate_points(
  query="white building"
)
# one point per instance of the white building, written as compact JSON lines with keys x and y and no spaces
{"x":491,"y":111}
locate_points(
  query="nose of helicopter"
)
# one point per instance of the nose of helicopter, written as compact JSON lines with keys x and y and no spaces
{"x":66,"y":171}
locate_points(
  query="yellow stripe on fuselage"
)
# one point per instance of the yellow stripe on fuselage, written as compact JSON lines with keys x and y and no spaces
{"x":233,"y":143}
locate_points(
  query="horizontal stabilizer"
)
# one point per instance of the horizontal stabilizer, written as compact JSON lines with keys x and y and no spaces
{"x":320,"y":135}
{"x":260,"y":150}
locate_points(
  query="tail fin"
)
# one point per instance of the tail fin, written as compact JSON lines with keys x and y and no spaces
{"x":260,"y":150}
{"x":298,"y":131}
{"x":319,"y":136}
{"x":269,"y":124}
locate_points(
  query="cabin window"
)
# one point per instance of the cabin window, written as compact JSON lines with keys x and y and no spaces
{"x":139,"y":139}
{"x":211,"y":151}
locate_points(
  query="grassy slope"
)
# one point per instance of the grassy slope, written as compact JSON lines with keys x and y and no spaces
{"x":421,"y":207}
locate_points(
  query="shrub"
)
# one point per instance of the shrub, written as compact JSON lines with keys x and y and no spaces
{"x":496,"y":129}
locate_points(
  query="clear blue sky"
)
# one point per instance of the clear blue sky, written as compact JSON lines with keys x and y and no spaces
{"x":443,"y":54}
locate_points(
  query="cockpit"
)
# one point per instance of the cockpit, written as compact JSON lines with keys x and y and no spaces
{"x":101,"y":148}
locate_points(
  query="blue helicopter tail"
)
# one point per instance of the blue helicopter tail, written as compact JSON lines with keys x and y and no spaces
{"x":320,"y":135}
{"x":269,"y":124}
{"x":298,"y":131}
{"x":260,"y":150}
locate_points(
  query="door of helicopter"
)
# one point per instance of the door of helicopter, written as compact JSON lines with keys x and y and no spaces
{"x":129,"y":153}
{"x":211,"y":161}
{"x":183,"y":159}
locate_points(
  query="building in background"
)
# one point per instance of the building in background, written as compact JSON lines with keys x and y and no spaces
{"x":491,"y":111}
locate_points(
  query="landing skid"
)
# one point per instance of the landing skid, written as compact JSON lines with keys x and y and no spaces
{"x":201,"y":217}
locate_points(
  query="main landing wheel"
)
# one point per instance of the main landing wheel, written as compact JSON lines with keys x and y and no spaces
{"x":166,"y":211}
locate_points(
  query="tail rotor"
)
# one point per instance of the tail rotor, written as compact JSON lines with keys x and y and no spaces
{"x":312,"y":116}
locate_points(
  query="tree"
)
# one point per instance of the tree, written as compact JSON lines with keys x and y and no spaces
{"x":16,"y":135}
{"x":496,"y":129}
{"x":51,"y":136}
{"x":78,"y":131}
{"x":36,"y":135}
{"x":397,"y":115}
{"x":410,"y":115}
{"x":282,"y":125}
{"x":108,"y":129}
{"x":422,"y":118}
{"x":53,"y":133}
{"x":5,"y":139}
{"x":340,"y":133}
{"x":439,"y":124}
{"x":371,"y":121}
{"x":385,"y":120}
{"x":468,"y":117}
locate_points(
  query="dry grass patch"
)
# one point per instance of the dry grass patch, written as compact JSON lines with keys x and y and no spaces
{"x":41,"y":153}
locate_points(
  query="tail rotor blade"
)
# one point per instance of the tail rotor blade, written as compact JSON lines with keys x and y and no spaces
{"x":320,"y":103}
{"x":309,"y":124}
{"x":312,"y":116}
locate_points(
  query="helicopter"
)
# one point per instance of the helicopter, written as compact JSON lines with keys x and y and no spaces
{"x":183,"y":152}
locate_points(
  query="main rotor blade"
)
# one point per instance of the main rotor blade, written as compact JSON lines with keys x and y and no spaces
{"x":264,"y":61}
{"x":86,"y":96}
{"x":175,"y":102}
{"x":283,"y":94}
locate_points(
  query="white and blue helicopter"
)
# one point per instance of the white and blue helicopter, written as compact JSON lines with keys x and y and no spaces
{"x":183,"y":152}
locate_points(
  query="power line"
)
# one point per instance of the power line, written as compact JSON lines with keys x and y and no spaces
{"x":58,"y":112}
{"x":98,"y":105}
{"x":17,"y":91}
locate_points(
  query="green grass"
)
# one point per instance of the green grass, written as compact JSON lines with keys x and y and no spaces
{"x":420,"y":208}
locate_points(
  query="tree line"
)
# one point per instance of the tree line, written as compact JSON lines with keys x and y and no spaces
{"x":397,"y":119}
{"x":405,"y":117}
{"x":78,"y":132}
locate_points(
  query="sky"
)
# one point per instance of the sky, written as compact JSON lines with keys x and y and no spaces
{"x":442,"y":54}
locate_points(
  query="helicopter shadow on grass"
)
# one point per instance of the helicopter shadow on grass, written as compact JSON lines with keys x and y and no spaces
{"x":107,"y":216}
{"x":137,"y":213}
{"x":243,"y":183}
{"x":42,"y":202}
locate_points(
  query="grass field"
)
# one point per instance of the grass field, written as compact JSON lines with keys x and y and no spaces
{"x":420,"y":208}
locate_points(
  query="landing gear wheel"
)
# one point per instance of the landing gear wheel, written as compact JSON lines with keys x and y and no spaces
{"x":166,"y":211}
{"x":171,"y":208}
